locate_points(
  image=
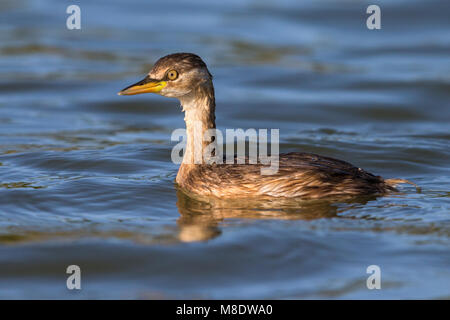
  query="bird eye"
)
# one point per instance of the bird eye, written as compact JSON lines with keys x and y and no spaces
{"x":172,"y":75}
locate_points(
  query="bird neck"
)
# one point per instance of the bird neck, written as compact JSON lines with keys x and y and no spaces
{"x":199,"y":107}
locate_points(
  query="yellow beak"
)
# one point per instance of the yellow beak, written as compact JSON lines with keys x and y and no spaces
{"x":147,"y":85}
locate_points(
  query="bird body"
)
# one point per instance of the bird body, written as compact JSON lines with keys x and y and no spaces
{"x":300,"y":175}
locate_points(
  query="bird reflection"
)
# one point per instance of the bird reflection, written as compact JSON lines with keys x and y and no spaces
{"x":201,"y":217}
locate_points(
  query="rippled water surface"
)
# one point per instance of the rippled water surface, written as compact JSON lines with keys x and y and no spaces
{"x":86,"y":176}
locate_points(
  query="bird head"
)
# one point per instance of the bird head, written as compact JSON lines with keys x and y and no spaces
{"x":176,"y":76}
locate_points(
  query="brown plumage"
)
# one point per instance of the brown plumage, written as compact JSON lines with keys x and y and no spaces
{"x":301,"y":175}
{"x":304,"y":175}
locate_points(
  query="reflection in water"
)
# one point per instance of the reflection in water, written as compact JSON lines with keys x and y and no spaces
{"x":200,"y":218}
{"x":15,"y":185}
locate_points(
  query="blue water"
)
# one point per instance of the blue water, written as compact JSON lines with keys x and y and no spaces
{"x":86,"y":176}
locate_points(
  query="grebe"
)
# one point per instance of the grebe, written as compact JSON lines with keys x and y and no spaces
{"x":300,"y":175}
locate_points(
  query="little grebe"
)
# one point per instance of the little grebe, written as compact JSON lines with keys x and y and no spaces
{"x":300,"y":175}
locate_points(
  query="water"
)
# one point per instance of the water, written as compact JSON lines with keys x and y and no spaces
{"x":86,"y":176}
